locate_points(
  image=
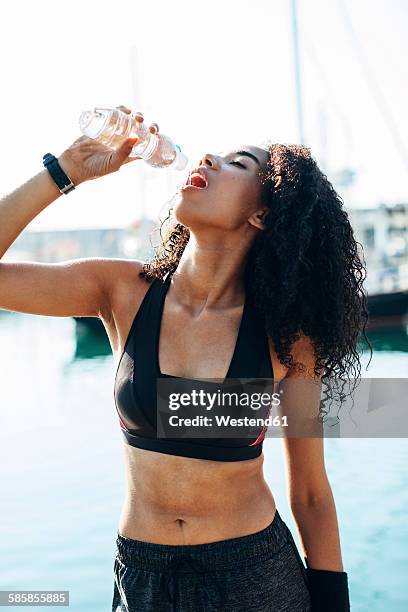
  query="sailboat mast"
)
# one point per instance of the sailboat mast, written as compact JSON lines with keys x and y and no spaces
{"x":296,"y":65}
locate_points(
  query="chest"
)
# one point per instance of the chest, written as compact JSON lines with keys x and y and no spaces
{"x":201,"y":346}
{"x":181,"y":345}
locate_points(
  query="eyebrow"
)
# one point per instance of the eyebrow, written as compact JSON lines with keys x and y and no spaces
{"x":248,"y":154}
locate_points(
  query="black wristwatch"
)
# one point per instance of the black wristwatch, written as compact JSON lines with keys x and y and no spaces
{"x":62,"y":180}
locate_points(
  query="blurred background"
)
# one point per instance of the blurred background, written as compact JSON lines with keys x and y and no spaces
{"x":213,"y":75}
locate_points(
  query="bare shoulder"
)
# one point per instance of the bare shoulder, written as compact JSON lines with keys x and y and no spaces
{"x":125,"y":292}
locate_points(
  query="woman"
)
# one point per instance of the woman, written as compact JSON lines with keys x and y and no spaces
{"x":258,"y":276}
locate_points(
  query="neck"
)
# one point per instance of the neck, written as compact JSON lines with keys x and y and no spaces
{"x":211,"y":273}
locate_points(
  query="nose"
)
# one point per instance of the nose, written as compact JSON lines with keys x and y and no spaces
{"x":208,"y":160}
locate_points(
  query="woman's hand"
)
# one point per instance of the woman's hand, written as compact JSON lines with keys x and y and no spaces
{"x":88,"y":159}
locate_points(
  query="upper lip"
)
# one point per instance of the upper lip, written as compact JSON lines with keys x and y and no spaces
{"x":200,"y":170}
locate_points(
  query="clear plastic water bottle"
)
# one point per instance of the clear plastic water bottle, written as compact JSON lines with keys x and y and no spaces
{"x":112,"y":127}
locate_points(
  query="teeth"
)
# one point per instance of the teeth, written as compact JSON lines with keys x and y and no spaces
{"x":194,"y":173}
{"x":200,"y":175}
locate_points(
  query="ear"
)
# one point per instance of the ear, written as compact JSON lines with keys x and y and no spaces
{"x":257,"y":219}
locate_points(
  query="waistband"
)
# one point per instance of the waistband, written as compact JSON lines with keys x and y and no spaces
{"x":219,"y":555}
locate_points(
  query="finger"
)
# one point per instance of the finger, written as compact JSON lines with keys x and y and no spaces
{"x":154,"y":128}
{"x":139,"y":117}
{"x":130,"y":143}
{"x":124,"y":109}
{"x":124,"y":151}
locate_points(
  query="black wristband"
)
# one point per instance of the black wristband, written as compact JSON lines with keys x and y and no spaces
{"x":328,"y":590}
{"x":62,"y":180}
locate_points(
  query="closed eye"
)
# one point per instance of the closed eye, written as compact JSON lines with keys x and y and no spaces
{"x":239,"y":164}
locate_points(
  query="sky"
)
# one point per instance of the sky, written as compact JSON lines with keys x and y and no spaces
{"x":213,"y":75}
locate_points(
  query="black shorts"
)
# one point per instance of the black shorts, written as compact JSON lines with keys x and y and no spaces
{"x":260,"y":572}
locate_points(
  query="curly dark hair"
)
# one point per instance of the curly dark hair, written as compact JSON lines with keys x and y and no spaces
{"x":304,"y":273}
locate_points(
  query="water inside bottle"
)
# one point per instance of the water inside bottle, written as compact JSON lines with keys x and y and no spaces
{"x":112,"y":127}
{"x":116,"y":128}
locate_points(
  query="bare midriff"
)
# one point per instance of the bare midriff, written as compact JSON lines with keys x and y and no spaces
{"x":182,"y":500}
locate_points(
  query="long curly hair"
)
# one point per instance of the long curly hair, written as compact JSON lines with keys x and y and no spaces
{"x":304,"y":273}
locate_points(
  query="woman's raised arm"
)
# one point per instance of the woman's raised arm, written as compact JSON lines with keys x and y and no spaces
{"x":78,"y":287}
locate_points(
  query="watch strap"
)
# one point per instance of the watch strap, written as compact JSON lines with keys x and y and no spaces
{"x":62,"y":180}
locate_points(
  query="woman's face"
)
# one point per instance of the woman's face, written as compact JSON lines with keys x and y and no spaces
{"x":233,"y":193}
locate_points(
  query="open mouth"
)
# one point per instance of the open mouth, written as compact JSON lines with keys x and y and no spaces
{"x":197,"y":180}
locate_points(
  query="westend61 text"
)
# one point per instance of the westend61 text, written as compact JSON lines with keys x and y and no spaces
{"x":226,"y":421}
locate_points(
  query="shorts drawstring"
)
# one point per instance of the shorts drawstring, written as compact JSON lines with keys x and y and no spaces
{"x":197,"y":566}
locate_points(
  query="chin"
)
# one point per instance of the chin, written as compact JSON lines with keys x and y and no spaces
{"x":186,"y":212}
{"x":196,"y":215}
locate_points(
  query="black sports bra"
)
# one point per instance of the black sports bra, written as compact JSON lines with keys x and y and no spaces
{"x":135,"y":389}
